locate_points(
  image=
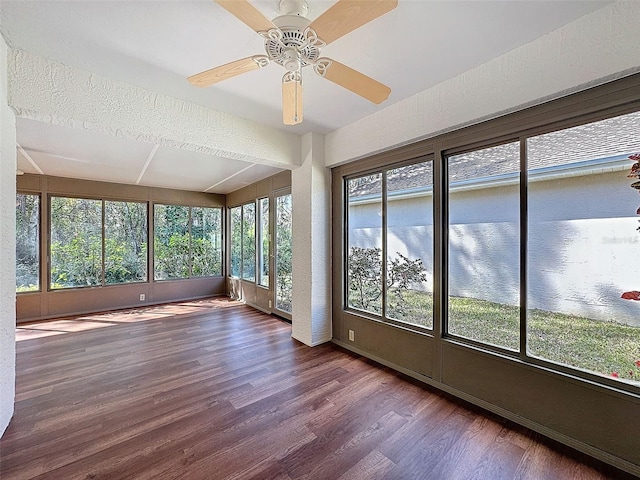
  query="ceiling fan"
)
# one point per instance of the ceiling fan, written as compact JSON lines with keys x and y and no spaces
{"x":294,"y":42}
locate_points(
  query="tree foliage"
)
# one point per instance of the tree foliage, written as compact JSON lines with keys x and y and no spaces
{"x":236,"y":241}
{"x":76,"y":242}
{"x":249,"y":242}
{"x":365,"y":280}
{"x":125,"y":238}
{"x":284,"y":270}
{"x":187,"y":242}
{"x":263,"y":242}
{"x":27,"y":242}
{"x":86,"y":251}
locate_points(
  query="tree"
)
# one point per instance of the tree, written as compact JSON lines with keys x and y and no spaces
{"x":284,"y":279}
{"x":125,"y":242}
{"x":171,"y":242}
{"x":27,"y":242}
{"x":365,"y":280}
{"x":236,"y":241}
{"x":249,"y":241}
{"x":206,"y":241}
{"x":76,"y":242}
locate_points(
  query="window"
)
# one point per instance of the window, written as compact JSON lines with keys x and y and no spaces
{"x":540,"y":262}
{"x":206,"y":241}
{"x":125,"y":242}
{"x":171,"y":242}
{"x":27,"y":242}
{"x":81,"y":255}
{"x":409,"y":244}
{"x":484,"y":245}
{"x":243,"y":241}
{"x":263,"y":242}
{"x":583,"y":244}
{"x":249,"y":242}
{"x":364,"y":243}
{"x":582,"y":236}
{"x":390,"y":217}
{"x":187,"y":241}
{"x":76,"y":242}
{"x":236,"y":241}
{"x":283,"y":250}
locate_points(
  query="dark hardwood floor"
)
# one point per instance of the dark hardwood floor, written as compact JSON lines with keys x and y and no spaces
{"x":213,"y":389}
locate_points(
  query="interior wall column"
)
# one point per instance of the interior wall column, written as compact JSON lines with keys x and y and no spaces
{"x":7,"y":248}
{"x":310,"y":195}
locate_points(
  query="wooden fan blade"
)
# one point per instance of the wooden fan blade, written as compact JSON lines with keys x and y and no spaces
{"x":353,"y":80}
{"x":217,"y":74}
{"x":292,"y":98}
{"x":248,"y":14}
{"x":347,"y":15}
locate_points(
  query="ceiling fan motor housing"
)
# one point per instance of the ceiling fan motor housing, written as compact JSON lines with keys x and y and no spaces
{"x":293,"y":41}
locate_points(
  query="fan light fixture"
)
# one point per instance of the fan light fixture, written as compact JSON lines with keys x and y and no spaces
{"x":294,"y":42}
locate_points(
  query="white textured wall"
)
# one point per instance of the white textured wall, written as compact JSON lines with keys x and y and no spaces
{"x":310,"y":190}
{"x":47,"y":91}
{"x":7,"y":247}
{"x":588,"y":51}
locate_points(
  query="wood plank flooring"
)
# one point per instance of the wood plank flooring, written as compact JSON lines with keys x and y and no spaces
{"x":216,"y":390}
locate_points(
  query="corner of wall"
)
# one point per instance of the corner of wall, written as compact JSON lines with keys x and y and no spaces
{"x":310,"y":191}
{"x":7,"y":247}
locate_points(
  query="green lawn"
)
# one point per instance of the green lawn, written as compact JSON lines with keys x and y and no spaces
{"x":593,"y":345}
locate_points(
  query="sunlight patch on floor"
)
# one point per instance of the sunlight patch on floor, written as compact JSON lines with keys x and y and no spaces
{"x":47,"y":328}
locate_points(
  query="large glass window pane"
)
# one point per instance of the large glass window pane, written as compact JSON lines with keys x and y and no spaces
{"x":236,"y":241}
{"x":364,"y":243}
{"x":125,"y":242}
{"x":284,"y":282}
{"x":171,"y":242}
{"x":263,"y":242}
{"x":484,"y":245}
{"x":249,"y":242}
{"x":583,"y":246}
{"x":27,"y":242}
{"x":206,"y":241}
{"x":410,"y":244}
{"x":76,"y":242}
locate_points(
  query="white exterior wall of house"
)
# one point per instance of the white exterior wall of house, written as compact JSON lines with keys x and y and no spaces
{"x":569,"y":272}
{"x":484,"y":244}
{"x":587,"y":238}
{"x":410,"y":230}
{"x":412,"y":235}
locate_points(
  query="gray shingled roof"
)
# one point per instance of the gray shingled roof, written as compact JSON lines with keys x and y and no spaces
{"x":608,"y":138}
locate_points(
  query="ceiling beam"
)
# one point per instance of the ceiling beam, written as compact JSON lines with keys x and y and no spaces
{"x":229,"y":178}
{"x":152,"y":153}
{"x":29,"y":159}
{"x":47,"y":91}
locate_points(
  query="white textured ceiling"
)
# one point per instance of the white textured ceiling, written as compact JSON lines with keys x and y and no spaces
{"x":157,"y":44}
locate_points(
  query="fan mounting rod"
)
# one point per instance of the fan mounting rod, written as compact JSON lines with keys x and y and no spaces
{"x":294,"y":7}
